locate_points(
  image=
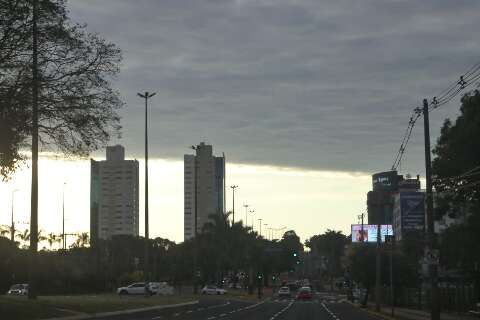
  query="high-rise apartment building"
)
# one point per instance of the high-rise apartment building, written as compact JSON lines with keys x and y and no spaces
{"x":206,"y":173}
{"x":113,"y":196}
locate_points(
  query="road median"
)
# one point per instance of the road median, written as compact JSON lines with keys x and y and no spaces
{"x":84,"y":306}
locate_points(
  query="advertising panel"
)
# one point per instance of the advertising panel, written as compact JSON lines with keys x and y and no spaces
{"x":385,"y":181}
{"x":412,"y":210}
{"x":370,"y":232}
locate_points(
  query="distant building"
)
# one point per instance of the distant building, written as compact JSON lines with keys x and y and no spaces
{"x":209,"y":172}
{"x":114,"y":196}
{"x":385,"y":186}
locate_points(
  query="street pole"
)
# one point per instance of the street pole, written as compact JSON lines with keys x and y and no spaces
{"x":252,"y":211}
{"x":12,"y":227}
{"x":32,"y":283}
{"x":378,"y":271}
{"x":246,"y":212}
{"x":392,"y":296}
{"x":64,"y":245}
{"x":146,"y":96}
{"x":431,"y":243}
{"x":233,"y":204}
{"x":260,"y":226}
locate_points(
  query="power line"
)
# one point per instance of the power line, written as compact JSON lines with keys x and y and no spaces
{"x":445,"y":96}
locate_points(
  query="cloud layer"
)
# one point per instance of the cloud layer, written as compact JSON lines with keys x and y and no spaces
{"x":303,"y":83}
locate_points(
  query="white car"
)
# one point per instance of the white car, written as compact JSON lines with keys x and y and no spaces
{"x":134,"y":288}
{"x":161,"y":288}
{"x":284,"y":292}
{"x":19,"y":289}
{"x":213,"y":290}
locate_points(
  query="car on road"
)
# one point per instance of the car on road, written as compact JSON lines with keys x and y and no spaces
{"x":284,"y":292}
{"x":213,"y":290}
{"x":134,"y":288}
{"x":304,"y":293}
{"x":19,"y":289}
{"x":160,"y":288}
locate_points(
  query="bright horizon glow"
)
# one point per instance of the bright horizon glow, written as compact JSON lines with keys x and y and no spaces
{"x":307,"y":201}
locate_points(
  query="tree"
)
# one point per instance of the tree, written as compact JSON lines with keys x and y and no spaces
{"x":456,"y":173}
{"x":77,"y":106}
{"x":456,"y":166}
{"x":82,"y":240}
{"x":330,"y":247}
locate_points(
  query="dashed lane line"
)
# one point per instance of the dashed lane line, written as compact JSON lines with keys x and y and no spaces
{"x":177,"y":314}
{"x":330,"y":312}
{"x":282,"y":310}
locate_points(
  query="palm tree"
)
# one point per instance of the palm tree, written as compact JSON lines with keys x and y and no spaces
{"x":82,"y":240}
{"x":4,"y":230}
{"x":51,"y":238}
{"x":24,"y":237}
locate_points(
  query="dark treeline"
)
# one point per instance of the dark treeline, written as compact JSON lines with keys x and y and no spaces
{"x":223,"y":251}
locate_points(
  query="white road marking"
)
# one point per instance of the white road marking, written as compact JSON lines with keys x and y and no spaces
{"x":157,"y":317}
{"x":282,"y":311}
{"x":330,"y":312}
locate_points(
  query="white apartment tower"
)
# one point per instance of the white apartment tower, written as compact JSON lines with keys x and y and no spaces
{"x":209,"y":173}
{"x":113,"y":196}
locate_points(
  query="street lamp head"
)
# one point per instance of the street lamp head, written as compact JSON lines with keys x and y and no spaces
{"x":141,"y":95}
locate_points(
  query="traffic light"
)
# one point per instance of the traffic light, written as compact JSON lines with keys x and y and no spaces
{"x":295,"y":254}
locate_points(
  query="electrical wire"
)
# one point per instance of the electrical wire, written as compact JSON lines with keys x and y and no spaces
{"x":445,"y":96}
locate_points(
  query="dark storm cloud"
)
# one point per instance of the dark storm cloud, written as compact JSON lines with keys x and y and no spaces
{"x":304,"y":83}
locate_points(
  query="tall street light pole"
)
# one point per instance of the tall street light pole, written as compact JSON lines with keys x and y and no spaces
{"x":246,"y":212}
{"x":233,"y":203}
{"x":146,"y":96}
{"x":260,"y":226}
{"x":63,"y":218}
{"x":12,"y":227}
{"x":252,"y":212}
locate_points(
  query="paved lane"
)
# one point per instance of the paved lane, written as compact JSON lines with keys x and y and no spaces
{"x":203,"y":310}
{"x":322,"y":307}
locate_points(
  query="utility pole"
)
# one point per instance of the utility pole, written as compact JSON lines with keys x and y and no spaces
{"x":12,"y":227}
{"x":252,"y":211}
{"x":246,"y":212}
{"x":233,"y":203}
{"x":146,"y":96}
{"x":361,"y":216}
{"x":63,"y":218}
{"x":431,"y":240}
{"x":32,"y":283}
{"x":378,"y":273}
{"x":260,"y":226}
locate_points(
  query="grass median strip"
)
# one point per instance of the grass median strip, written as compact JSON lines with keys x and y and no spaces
{"x":57,"y":306}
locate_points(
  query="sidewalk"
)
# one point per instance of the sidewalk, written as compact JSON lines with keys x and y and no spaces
{"x":412,"y":314}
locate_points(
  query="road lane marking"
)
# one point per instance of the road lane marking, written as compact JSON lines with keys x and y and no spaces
{"x":330,"y":312}
{"x":157,"y":317}
{"x":282,"y":310}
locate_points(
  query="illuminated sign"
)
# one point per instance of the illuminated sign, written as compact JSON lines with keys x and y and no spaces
{"x":368,"y":232}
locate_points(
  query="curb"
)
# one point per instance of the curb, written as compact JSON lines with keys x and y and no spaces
{"x":374,"y":313}
{"x":123,"y":312}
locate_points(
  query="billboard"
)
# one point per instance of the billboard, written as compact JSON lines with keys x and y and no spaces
{"x":370,"y":232}
{"x":385,"y":181}
{"x":409,"y":212}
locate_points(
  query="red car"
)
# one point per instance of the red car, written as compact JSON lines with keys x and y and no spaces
{"x":304,"y":293}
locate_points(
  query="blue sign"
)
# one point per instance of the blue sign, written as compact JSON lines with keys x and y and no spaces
{"x":412,"y":206}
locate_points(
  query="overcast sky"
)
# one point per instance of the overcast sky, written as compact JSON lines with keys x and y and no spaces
{"x":326,"y":85}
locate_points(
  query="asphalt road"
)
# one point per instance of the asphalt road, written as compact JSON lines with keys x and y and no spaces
{"x":322,"y":307}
